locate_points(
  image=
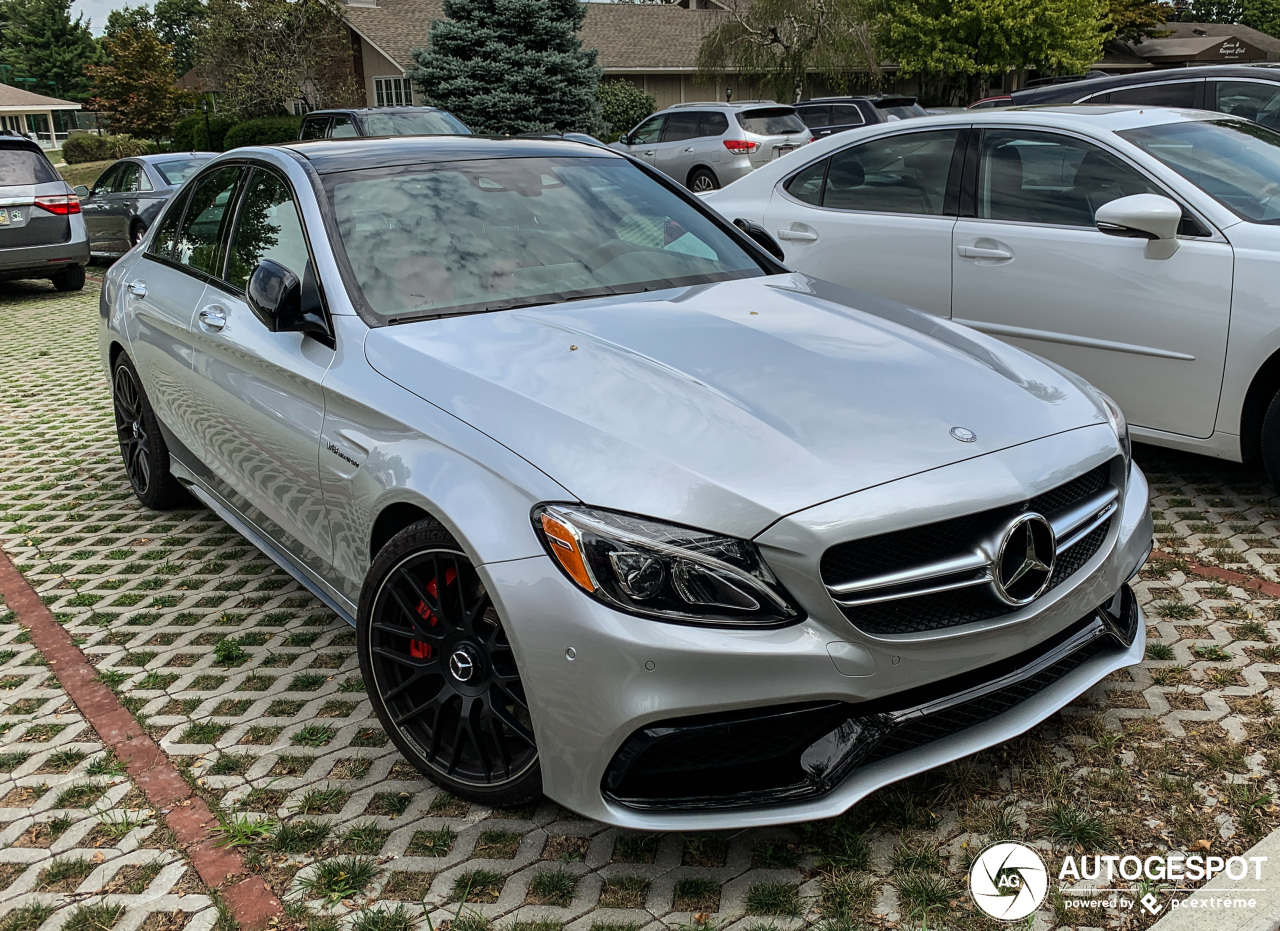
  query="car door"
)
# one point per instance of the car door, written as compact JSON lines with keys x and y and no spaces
{"x":676,"y":150}
{"x":95,"y":207}
{"x":343,"y":126}
{"x":876,"y":216}
{"x":261,"y":407}
{"x":642,"y":141}
{"x":124,"y":199}
{"x":845,"y":116}
{"x":817,"y":116}
{"x":1031,"y":266}
{"x":314,"y":127}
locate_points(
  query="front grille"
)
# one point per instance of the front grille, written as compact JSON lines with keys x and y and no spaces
{"x":903,"y":611}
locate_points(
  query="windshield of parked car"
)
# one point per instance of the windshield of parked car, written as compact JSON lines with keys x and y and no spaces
{"x":1235,"y":162}
{"x":771,"y":121}
{"x":907,"y":112}
{"x":178,"y":170}
{"x":429,"y":123}
{"x":493,"y":234}
{"x":23,"y":166}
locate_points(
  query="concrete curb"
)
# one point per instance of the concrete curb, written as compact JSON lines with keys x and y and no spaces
{"x":1264,"y":916}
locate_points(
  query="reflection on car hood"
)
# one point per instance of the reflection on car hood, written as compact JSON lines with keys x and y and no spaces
{"x":726,"y":406}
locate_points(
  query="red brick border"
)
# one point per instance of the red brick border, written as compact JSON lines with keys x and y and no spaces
{"x":1247,"y":582}
{"x":250,"y":900}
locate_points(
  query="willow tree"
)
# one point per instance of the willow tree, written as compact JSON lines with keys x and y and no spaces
{"x":779,"y":44}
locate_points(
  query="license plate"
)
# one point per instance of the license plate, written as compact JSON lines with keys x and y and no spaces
{"x":4,"y":218}
{"x":784,"y":149}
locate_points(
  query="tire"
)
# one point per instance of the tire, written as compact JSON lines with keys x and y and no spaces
{"x":142,"y":446}
{"x":441,"y":673}
{"x":702,"y":180}
{"x":1271,"y":441}
{"x":69,"y":279}
{"x":136,"y":232}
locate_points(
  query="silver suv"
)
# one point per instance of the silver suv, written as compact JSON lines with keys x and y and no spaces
{"x":42,"y":234}
{"x":707,"y":145}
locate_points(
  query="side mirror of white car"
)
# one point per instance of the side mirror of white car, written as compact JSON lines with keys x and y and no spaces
{"x":1145,"y":216}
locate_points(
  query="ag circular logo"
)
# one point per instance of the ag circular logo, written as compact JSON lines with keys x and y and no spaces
{"x":1008,"y":881}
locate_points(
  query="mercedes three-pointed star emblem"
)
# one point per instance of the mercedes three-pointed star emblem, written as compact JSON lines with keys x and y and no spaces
{"x":1024,"y":560}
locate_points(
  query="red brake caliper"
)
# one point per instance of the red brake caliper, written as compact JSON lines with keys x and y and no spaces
{"x":418,"y":649}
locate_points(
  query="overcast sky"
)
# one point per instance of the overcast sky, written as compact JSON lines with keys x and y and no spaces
{"x":97,"y":10}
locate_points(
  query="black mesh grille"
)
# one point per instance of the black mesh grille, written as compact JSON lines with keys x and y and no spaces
{"x":903,"y":549}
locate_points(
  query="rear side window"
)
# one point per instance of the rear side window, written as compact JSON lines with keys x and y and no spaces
{"x":1249,"y":99}
{"x":894,"y":174}
{"x":162,"y":242}
{"x":713,"y":124}
{"x":1181,"y":94}
{"x":314,"y":129}
{"x":267,"y":227}
{"x":845,"y":114}
{"x":681,"y":125}
{"x":343,"y":128}
{"x":815,"y":117}
{"x":197,"y":242}
{"x":771,"y":121}
{"x":23,"y":166}
{"x":806,"y":184}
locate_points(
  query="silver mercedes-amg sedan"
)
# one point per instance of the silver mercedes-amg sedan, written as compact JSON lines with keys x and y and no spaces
{"x":623,"y":510}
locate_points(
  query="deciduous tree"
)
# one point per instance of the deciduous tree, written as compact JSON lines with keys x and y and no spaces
{"x":511,"y":66}
{"x":1263,"y":15}
{"x":135,"y":84}
{"x":1135,"y":20}
{"x":622,"y":106}
{"x":178,"y":23}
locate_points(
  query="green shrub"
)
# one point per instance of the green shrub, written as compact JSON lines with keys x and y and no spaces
{"x":267,"y":130}
{"x":189,"y":134}
{"x":90,"y":147}
{"x":622,"y":106}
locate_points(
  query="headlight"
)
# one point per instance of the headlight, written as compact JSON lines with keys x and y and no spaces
{"x":663,"y":571}
{"x":1115,"y":417}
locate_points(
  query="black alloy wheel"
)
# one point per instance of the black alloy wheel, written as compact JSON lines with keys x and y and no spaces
{"x":142,"y":447}
{"x":442,"y":673}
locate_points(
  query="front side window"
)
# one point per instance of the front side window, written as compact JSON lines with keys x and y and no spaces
{"x":314,"y":128}
{"x":106,"y":181}
{"x":1249,"y":99}
{"x":492,"y":234}
{"x":647,"y":132}
{"x":1035,"y":177}
{"x":893,"y":174}
{"x":197,"y":241}
{"x":1181,"y":94}
{"x":343,"y":127}
{"x":267,"y":227}
{"x":1235,"y":163}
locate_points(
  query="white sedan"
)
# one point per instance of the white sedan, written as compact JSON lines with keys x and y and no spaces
{"x":1139,"y":248}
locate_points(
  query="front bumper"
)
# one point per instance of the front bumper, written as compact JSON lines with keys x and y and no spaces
{"x":597,"y":678}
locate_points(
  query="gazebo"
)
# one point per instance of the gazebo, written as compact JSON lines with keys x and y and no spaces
{"x":26,"y":112}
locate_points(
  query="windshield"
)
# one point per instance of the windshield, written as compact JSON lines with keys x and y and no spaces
{"x":492,"y":234}
{"x":1234,"y":162}
{"x":23,"y":166}
{"x":178,"y":170}
{"x":771,"y":121}
{"x":420,"y":123}
{"x":910,"y":111}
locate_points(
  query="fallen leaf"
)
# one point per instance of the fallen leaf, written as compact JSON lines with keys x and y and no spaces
{"x":1200,"y":845}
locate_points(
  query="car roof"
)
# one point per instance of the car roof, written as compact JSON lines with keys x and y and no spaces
{"x":326,"y":155}
{"x":364,"y":110}
{"x":12,"y":140}
{"x":1111,"y":117}
{"x":721,"y":105}
{"x":166,"y":157}
{"x":871,"y":97}
{"x":1159,"y":76}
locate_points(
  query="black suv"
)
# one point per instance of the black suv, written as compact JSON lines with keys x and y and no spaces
{"x":381,"y":121}
{"x":1250,"y":91}
{"x":42,"y":234}
{"x":827,"y":115}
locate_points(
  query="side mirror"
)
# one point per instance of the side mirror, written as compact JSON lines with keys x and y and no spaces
{"x":1145,"y":216}
{"x":625,"y":138}
{"x":287,"y":305}
{"x":81,"y":191}
{"x":761,"y":237}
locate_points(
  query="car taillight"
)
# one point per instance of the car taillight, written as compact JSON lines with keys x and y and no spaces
{"x":61,"y":204}
{"x":740,"y":145}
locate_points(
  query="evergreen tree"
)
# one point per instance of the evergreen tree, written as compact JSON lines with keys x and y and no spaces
{"x":136,"y":84}
{"x":511,"y":66}
{"x":41,"y":40}
{"x":127,"y":17}
{"x":178,"y":23}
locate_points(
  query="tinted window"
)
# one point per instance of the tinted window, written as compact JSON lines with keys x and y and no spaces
{"x":771,"y":121}
{"x":166,"y":233}
{"x":845,"y":114}
{"x":128,"y":180}
{"x":106,"y":181}
{"x":23,"y":166}
{"x":178,"y":170}
{"x":267,"y":227}
{"x":1249,"y":99}
{"x":893,"y":174}
{"x":488,"y":234}
{"x":806,"y":184}
{"x":680,"y":125}
{"x":414,"y":123}
{"x":647,"y":132}
{"x":1030,"y":177}
{"x":1237,"y":164}
{"x":815,"y":117}
{"x":343,"y":127}
{"x":713,"y":124}
{"x":314,"y":128}
{"x":1182,"y":94}
{"x":197,"y":241}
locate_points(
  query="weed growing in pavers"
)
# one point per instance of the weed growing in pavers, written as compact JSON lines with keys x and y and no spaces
{"x":695,"y":894}
{"x":924,"y":894}
{"x":1222,"y":756}
{"x":389,"y":803}
{"x":1252,"y":630}
{"x":79,"y":796}
{"x":26,"y":917}
{"x":231,"y":764}
{"x":261,"y":734}
{"x":313,"y":735}
{"x":285,"y":707}
{"x":287,"y":765}
{"x":773,"y":899}
{"x":774,"y":855}
{"x":230,"y":707}
{"x":327,"y":801}
{"x":1159,"y":651}
{"x":25,"y":706}
{"x":236,"y":830}
{"x":1211,"y":652}
{"x":329,"y":661}
{"x":497,"y":845}
{"x":113,"y":678}
{"x":445,"y":805}
{"x":133,"y":879}
{"x":1073,"y":826}
{"x":470,"y":920}
{"x":261,"y":799}
{"x":306,"y":682}
{"x":368,"y":839}
{"x":477,"y":886}
{"x":12,"y":760}
{"x":992,"y":819}
{"x":117,"y":826}
{"x":9,"y":872}
{"x":300,"y":836}
{"x":705,"y":850}
{"x":339,"y":878}
{"x":256,"y":683}
{"x":914,"y":854}
{"x":62,"y":761}
{"x":351,"y":685}
{"x":228,"y":652}
{"x":431,"y":843}
{"x":181,"y":706}
{"x":635,"y":848}
{"x":336,"y":709}
{"x":624,"y":892}
{"x":408,"y":886}
{"x":63,"y":875}
{"x":207,"y":682}
{"x":42,"y":732}
{"x":384,"y":919}
{"x":566,"y":848}
{"x":203,"y":732}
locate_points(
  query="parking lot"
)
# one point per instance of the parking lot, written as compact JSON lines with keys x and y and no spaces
{"x":251,"y":687}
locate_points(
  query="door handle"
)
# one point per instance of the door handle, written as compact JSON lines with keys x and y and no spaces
{"x":650,"y":152}
{"x":797,"y":236}
{"x":138,"y":288}
{"x":980,"y":252}
{"x":212,"y":319}
{"x":690,"y":149}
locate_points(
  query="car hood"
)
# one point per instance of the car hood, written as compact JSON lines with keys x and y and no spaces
{"x":727,"y":406}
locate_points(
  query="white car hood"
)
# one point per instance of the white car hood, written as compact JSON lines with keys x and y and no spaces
{"x":727,"y":406}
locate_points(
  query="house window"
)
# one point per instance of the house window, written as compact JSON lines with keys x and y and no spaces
{"x":393,"y":92}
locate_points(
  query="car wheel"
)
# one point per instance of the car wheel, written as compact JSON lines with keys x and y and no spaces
{"x":441,"y":673}
{"x":69,"y":279}
{"x":136,"y":232}
{"x":702,"y":180}
{"x":1271,"y":441}
{"x":146,"y":457}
